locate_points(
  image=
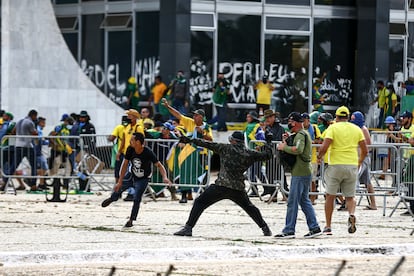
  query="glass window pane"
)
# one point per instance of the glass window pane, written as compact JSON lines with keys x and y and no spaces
{"x":71,"y":40}
{"x":147,"y":64}
{"x":334,"y":61}
{"x":93,"y":49}
{"x":397,"y":4}
{"x":285,"y":23}
{"x":67,"y":23}
{"x":119,"y":64}
{"x":239,"y":59}
{"x":202,"y":20}
{"x":66,"y":2}
{"x":397,"y":28}
{"x":286,"y":63}
{"x":396,"y":55}
{"x":201,"y":70}
{"x":117,"y":21}
{"x":410,"y":50}
{"x":289,"y":2}
{"x":336,"y":2}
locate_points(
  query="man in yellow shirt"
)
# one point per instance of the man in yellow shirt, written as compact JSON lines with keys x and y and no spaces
{"x":343,"y":138}
{"x":157,"y":92}
{"x":383,"y":93}
{"x":116,"y":136}
{"x":196,"y":128}
{"x":264,"y":95}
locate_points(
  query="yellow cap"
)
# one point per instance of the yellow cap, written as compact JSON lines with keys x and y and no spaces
{"x":132,"y":80}
{"x":342,"y":111}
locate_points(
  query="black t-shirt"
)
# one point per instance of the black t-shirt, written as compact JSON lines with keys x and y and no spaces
{"x":141,"y":164}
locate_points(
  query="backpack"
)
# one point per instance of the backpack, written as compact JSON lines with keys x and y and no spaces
{"x":288,"y":160}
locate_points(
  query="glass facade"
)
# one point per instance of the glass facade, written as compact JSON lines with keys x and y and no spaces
{"x":286,"y":63}
{"x":201,"y":69}
{"x":93,"y":49}
{"x":304,"y":57}
{"x":334,"y":60}
{"x":239,"y":58}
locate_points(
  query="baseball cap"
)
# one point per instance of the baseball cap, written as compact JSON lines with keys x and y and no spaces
{"x":64,"y":117}
{"x":406,"y":114}
{"x":237,"y":136}
{"x":342,"y":111}
{"x":295,"y":116}
{"x":199,"y":112}
{"x":305,"y":115}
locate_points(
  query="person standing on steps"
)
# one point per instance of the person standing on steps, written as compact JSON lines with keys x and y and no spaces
{"x":235,"y":159}
{"x":138,"y":162}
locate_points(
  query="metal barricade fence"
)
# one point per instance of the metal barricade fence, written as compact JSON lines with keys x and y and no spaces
{"x":405,"y":190}
{"x":22,"y":157}
{"x":186,"y":165}
{"x":268,"y":174}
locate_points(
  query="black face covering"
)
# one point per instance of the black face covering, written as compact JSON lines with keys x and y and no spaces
{"x":290,"y":126}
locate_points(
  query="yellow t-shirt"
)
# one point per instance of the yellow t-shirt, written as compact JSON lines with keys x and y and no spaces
{"x":382,"y":97}
{"x":318,"y":135}
{"x":344,"y":147}
{"x":264,"y":93}
{"x":158,"y":91}
{"x":129,"y":130}
{"x":118,"y":132}
{"x":189,"y":125}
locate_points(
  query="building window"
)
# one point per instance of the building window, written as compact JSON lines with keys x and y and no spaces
{"x":239,"y":60}
{"x":117,"y":21}
{"x":286,"y":63}
{"x":201,"y":70}
{"x":68,"y":24}
{"x":203,"y":20}
{"x":289,"y":2}
{"x":351,"y":3}
{"x":287,"y":23}
{"x":334,"y":60}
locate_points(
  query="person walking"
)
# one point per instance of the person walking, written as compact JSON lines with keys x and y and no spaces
{"x":343,"y":138}
{"x":235,"y":159}
{"x":300,"y":181}
{"x":364,"y":174}
{"x":138,"y":162}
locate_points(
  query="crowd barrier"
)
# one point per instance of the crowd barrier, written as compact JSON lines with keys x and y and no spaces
{"x":87,"y":161}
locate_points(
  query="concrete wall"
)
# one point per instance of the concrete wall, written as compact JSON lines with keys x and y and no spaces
{"x":39,"y":72}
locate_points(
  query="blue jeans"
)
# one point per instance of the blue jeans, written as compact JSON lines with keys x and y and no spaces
{"x":299,"y":195}
{"x":140,"y":185}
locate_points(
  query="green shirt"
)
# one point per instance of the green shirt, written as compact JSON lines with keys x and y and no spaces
{"x":303,"y":153}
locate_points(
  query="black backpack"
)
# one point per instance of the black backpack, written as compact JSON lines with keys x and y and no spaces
{"x":288,"y":160}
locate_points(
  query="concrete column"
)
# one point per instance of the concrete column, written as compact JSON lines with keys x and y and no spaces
{"x":175,"y":37}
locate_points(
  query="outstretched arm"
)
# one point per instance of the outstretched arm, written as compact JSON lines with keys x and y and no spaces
{"x":171,"y":109}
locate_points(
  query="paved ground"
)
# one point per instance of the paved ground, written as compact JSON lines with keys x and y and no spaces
{"x":81,"y":238}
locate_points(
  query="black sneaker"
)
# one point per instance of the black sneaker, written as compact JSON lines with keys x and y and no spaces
{"x":129,"y":197}
{"x":351,"y":224}
{"x":313,"y":233}
{"x":128,"y":224}
{"x":185,"y":231}
{"x":266,"y":231}
{"x":106,"y":202}
{"x":285,"y":236}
